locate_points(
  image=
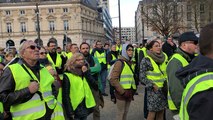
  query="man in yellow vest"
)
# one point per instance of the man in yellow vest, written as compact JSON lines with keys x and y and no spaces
{"x":95,"y":68}
{"x":27,"y":87}
{"x":56,"y":59}
{"x":184,"y":55}
{"x":197,"y":79}
{"x":122,"y":79}
{"x":100,"y":54}
{"x":118,"y":46}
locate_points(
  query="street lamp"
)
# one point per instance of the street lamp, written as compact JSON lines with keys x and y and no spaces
{"x":119,"y":14}
{"x":38,"y":24}
{"x":39,"y":41}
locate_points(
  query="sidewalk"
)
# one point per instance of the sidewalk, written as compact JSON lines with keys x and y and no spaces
{"x":135,"y":111}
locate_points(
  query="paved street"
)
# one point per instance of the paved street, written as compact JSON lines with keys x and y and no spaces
{"x":135,"y":111}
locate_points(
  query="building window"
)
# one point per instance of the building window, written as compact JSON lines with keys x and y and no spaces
{"x":50,"y":10}
{"x":51,"y":25}
{"x":189,"y":8}
{"x":189,"y":16}
{"x":23,"y":27}
{"x":202,"y":8}
{"x":22,"y":12}
{"x":65,"y":10}
{"x":9,"y":28}
{"x":66,"y":25}
{"x":7,"y":12}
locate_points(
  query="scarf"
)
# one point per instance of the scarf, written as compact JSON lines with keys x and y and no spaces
{"x":158,"y":58}
{"x":77,"y":70}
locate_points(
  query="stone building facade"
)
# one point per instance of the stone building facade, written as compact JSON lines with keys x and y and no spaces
{"x":61,"y":20}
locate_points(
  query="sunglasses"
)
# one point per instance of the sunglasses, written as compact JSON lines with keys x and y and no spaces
{"x":33,"y":47}
{"x":42,"y":53}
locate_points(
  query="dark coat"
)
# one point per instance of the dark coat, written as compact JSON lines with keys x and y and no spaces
{"x":200,"y":105}
{"x":168,"y":49}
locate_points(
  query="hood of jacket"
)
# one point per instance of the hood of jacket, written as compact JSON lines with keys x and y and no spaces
{"x":199,"y":65}
{"x":124,"y":53}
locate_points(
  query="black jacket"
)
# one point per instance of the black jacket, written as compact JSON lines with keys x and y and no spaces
{"x":168,"y":49}
{"x":200,"y":106}
{"x":81,"y":110}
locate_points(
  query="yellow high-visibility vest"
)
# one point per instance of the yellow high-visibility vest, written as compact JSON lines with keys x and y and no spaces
{"x":1,"y":107}
{"x":35,"y":107}
{"x":58,"y":60}
{"x":127,"y":80}
{"x":101,"y":57}
{"x":184,"y":63}
{"x":80,"y":90}
{"x":158,"y":75}
{"x":113,"y":58}
{"x":198,"y":84}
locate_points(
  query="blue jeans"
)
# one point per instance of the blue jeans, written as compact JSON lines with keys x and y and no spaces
{"x":103,"y":75}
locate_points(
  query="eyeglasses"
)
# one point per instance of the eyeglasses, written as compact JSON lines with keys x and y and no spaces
{"x":79,"y":59}
{"x":130,"y":49}
{"x":42,"y":53}
{"x":33,"y":47}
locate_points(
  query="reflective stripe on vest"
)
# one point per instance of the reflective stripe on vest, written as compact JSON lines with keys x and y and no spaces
{"x":79,"y":90}
{"x":35,"y":103}
{"x":58,"y":113}
{"x":34,"y":110}
{"x":127,"y":80}
{"x":101,"y":57}
{"x":184,"y":63}
{"x":198,"y":84}
{"x":58,"y":60}
{"x":158,"y":75}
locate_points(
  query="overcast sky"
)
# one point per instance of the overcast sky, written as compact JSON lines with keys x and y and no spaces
{"x":128,"y":8}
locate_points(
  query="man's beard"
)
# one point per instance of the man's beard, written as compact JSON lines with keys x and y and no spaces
{"x":53,"y":50}
{"x":86,"y":54}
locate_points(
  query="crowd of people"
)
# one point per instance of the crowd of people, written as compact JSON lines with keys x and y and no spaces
{"x":46,"y":83}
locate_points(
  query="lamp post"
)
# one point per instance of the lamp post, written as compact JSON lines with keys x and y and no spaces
{"x":119,"y":14}
{"x":40,"y":42}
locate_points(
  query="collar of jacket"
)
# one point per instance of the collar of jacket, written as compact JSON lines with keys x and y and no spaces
{"x":36,"y":67}
{"x":199,"y":65}
{"x":186,"y":55}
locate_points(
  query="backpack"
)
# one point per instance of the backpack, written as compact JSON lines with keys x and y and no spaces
{"x":110,"y":70}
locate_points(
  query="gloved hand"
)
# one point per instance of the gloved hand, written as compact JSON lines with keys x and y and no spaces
{"x":128,"y":94}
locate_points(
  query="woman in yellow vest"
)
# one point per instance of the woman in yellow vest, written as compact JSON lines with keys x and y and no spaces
{"x":153,"y":75}
{"x":77,"y":97}
{"x":122,"y":79}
